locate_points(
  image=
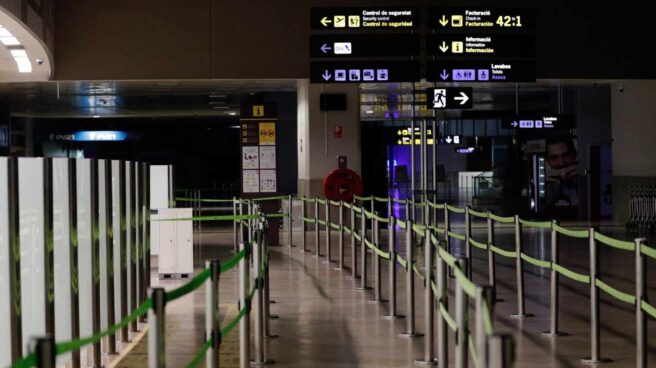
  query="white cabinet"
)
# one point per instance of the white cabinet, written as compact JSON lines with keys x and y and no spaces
{"x":175,"y":239}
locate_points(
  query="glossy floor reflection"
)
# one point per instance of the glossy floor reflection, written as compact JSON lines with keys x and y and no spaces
{"x":325,"y":322}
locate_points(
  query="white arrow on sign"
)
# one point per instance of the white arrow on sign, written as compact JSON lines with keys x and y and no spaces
{"x":448,"y":139}
{"x":325,"y":48}
{"x":325,"y":21}
{"x":326,"y":75}
{"x":514,"y":124}
{"x":463,"y":98}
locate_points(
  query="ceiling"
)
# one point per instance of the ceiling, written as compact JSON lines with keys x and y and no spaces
{"x":36,"y":55}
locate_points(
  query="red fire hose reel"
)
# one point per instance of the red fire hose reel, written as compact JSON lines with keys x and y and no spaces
{"x":342,"y":184}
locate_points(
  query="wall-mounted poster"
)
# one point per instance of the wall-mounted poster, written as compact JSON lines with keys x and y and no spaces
{"x":268,"y":157}
{"x":268,"y":181}
{"x":268,"y":134}
{"x":250,"y":157}
{"x":251,"y":181}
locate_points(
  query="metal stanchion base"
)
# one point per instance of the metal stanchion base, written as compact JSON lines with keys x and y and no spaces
{"x":271,"y":336}
{"x":520,"y":316}
{"x":595,"y":361}
{"x":558,"y":333}
{"x":377,"y":301}
{"x":416,"y":334}
{"x":363,"y":288}
{"x":339,"y":268}
{"x":425,"y":362}
{"x":304,"y":251}
{"x":273,"y":316}
{"x":266,"y":361}
{"x":390,"y":317}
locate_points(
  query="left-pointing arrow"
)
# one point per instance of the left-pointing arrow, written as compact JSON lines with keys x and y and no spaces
{"x":325,"y":48}
{"x":325,"y":21}
{"x":326,"y":75}
{"x":463,"y":98}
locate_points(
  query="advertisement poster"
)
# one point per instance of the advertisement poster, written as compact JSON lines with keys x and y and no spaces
{"x":251,"y":180}
{"x":268,"y":181}
{"x":562,"y":177}
{"x":250,"y":158}
{"x":268,"y":134}
{"x":268,"y":157}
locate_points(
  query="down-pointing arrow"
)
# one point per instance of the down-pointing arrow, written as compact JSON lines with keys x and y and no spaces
{"x":463,"y":98}
{"x":444,"y":75}
{"x":326,"y":75}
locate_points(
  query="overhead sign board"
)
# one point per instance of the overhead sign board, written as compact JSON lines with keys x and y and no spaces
{"x":364,"y":72}
{"x":92,"y":136}
{"x":540,"y":122}
{"x":471,"y":45}
{"x":455,"y":18}
{"x":449,"y":98}
{"x":369,"y":18}
{"x":482,"y":71}
{"x":373,"y":45}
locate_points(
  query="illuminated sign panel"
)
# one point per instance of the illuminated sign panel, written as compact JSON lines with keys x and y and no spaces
{"x":472,"y":45}
{"x":364,"y":72}
{"x":354,"y":19}
{"x":374,"y":45}
{"x":454,"y":18}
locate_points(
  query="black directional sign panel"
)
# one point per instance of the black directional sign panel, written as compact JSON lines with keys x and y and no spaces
{"x":481,"y":71}
{"x":449,"y":98}
{"x":468,"y":18}
{"x":373,"y":45}
{"x":554,"y":121}
{"x":364,"y":72}
{"x":472,"y":45}
{"x":353,"y":19}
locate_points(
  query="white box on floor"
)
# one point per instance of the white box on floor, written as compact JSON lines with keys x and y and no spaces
{"x":175,"y":239}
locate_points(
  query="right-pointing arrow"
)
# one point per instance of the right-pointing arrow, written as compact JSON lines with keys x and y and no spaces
{"x":514,"y":124}
{"x":326,"y":75}
{"x":463,"y":98}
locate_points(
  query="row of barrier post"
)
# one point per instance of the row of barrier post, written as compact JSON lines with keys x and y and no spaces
{"x":497,"y":350}
{"x":252,"y":262}
{"x":115,"y":175}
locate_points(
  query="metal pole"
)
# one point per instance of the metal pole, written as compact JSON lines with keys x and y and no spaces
{"x":145,"y":273}
{"x":462,"y":311}
{"x":363,"y":249}
{"x":109,"y":251}
{"x":303,"y":233}
{"x":259,"y":303}
{"x":412,"y":166}
{"x":641,"y":321}
{"x":341,"y":235}
{"x":429,"y":304}
{"x":123,"y":205}
{"x":501,"y":349}
{"x":48,"y":248}
{"x":442,"y":300}
{"x":212,"y":325}
{"x":484,"y":297}
{"x":491,"y":264}
{"x":147,"y":227}
{"x":424,"y":168}
{"x":44,"y":350}
{"x":95,"y":261}
{"x":354,"y":253}
{"x":375,"y":237}
{"x":595,"y":348}
{"x":244,"y":302}
{"x":410,"y":282}
{"x":434,"y":164}
{"x":468,"y":246}
{"x":327,"y":230}
{"x":266,"y":285}
{"x":13,"y":255}
{"x":317,"y":241}
{"x":133,"y":244}
{"x":519,"y":267}
{"x":391,"y":241}
{"x":447,"y":227}
{"x":240,"y":207}
{"x":235,"y":232}
{"x":290,"y":221}
{"x":553,"y":324}
{"x":157,"y":329}
{"x":73,"y":254}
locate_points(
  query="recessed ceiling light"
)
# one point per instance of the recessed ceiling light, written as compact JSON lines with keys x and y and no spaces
{"x":4,"y":32}
{"x":18,"y":52}
{"x":9,"y":41}
{"x":232,"y":113}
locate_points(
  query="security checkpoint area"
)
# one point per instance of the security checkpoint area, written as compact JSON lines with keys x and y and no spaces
{"x":369,"y":184}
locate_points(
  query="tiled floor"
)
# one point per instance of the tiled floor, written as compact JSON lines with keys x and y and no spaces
{"x":325,"y":322}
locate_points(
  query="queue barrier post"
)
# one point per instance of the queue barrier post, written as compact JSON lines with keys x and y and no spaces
{"x":468,"y":246}
{"x":501,"y":347}
{"x":429,"y":304}
{"x":212,"y":325}
{"x":290,"y":221}
{"x":391,"y":241}
{"x":554,"y":286}
{"x":303,"y":228}
{"x":156,"y":329}
{"x":484,"y":298}
{"x":363,"y":250}
{"x":327,"y":230}
{"x":44,"y":350}
{"x":341,"y":236}
{"x":317,"y":241}
{"x":410,"y":281}
{"x":259,"y":301}
{"x":244,"y":302}
{"x":641,"y":321}
{"x":235,"y":234}
{"x":462,"y":312}
{"x":491,"y":257}
{"x":442,"y":298}
{"x":375,"y":239}
{"x":595,"y":345}
{"x":354,"y":254}
{"x":519,"y":268}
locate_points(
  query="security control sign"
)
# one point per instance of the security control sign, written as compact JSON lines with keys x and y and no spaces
{"x":364,"y":72}
{"x":353,"y":19}
{"x":540,"y":122}
{"x":482,"y":71}
{"x":455,"y":18}
{"x":449,"y":98}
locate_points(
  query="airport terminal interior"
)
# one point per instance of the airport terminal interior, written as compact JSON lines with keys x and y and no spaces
{"x":337,"y":183}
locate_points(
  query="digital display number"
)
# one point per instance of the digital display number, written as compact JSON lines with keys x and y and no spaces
{"x":509,"y":21}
